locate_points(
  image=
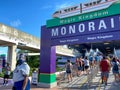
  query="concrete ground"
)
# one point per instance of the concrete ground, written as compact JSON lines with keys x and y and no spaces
{"x":78,"y":83}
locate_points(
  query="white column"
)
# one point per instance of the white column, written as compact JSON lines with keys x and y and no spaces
{"x":11,"y":58}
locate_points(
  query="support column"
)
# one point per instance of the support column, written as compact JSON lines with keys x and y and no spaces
{"x":11,"y":58}
{"x":47,"y":76}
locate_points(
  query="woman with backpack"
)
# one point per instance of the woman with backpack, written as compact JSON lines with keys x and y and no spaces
{"x":115,"y":68}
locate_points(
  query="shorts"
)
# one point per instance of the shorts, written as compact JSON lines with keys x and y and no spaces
{"x":106,"y":74}
{"x":115,"y":72}
{"x":6,"y":76}
{"x":68,"y":71}
{"x":80,"y":68}
{"x":18,"y":85}
{"x":86,"y":67}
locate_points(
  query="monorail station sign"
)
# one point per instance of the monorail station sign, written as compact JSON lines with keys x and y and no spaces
{"x":95,"y":25}
{"x":83,"y":29}
{"x":87,"y":27}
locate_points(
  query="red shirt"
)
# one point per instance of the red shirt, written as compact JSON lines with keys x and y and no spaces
{"x":104,"y":66}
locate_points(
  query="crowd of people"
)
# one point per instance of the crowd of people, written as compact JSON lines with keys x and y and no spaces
{"x":80,"y":66}
{"x":84,"y":65}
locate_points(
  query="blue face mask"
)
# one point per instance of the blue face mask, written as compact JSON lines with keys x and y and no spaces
{"x":20,"y":61}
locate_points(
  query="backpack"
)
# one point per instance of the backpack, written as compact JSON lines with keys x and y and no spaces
{"x":115,"y":67}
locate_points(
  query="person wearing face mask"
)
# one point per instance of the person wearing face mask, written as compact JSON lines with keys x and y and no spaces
{"x":21,"y":74}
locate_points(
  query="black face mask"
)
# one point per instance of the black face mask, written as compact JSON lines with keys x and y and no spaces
{"x":20,"y":61}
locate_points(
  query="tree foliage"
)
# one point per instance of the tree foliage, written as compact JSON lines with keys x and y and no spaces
{"x":33,"y":61}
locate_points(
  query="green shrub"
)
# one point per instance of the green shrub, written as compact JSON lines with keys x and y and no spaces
{"x":2,"y":74}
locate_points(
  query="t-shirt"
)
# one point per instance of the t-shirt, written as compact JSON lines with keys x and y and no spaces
{"x":79,"y":63}
{"x":7,"y":70}
{"x":20,"y":71}
{"x":97,"y":58}
{"x":86,"y":62}
{"x":104,"y":66}
{"x":101,"y":57}
{"x":91,"y":58}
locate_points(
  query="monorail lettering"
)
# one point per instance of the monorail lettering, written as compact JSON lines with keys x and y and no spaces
{"x":88,"y":27}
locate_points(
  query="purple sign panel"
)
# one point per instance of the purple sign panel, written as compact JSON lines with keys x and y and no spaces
{"x":101,"y":25}
{"x":47,"y":53}
{"x":88,"y":38}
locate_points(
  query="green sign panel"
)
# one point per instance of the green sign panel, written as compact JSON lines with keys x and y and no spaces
{"x":114,"y":9}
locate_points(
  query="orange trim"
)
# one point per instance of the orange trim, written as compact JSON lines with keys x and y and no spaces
{"x":99,"y":4}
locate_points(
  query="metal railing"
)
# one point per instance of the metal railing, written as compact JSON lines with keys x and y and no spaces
{"x":92,"y":74}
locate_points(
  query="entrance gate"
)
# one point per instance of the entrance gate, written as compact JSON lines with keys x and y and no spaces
{"x":97,"y":26}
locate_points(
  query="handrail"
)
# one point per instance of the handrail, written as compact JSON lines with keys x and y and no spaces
{"x":91,"y":75}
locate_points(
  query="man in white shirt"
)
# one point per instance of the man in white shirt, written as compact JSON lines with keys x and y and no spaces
{"x":21,"y":74}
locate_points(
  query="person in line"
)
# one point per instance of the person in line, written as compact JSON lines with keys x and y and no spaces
{"x":79,"y":66}
{"x":115,"y":68}
{"x":97,"y":60}
{"x":91,"y":60}
{"x":69,"y":67}
{"x":109,"y":59}
{"x":104,"y":68}
{"x":83,"y":64}
{"x":86,"y":63}
{"x":100,"y":56}
{"x":75,"y":69}
{"x":7,"y":74}
{"x":21,"y":74}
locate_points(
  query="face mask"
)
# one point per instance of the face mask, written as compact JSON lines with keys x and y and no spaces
{"x":20,"y":61}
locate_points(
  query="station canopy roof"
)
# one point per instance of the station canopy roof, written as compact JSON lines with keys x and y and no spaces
{"x":104,"y":47}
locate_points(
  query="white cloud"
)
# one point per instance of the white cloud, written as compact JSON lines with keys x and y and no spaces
{"x":15,"y":23}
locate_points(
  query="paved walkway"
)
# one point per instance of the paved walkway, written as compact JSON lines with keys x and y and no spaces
{"x":78,"y":83}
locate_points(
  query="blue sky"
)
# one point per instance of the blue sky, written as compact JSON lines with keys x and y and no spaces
{"x":29,"y":15}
